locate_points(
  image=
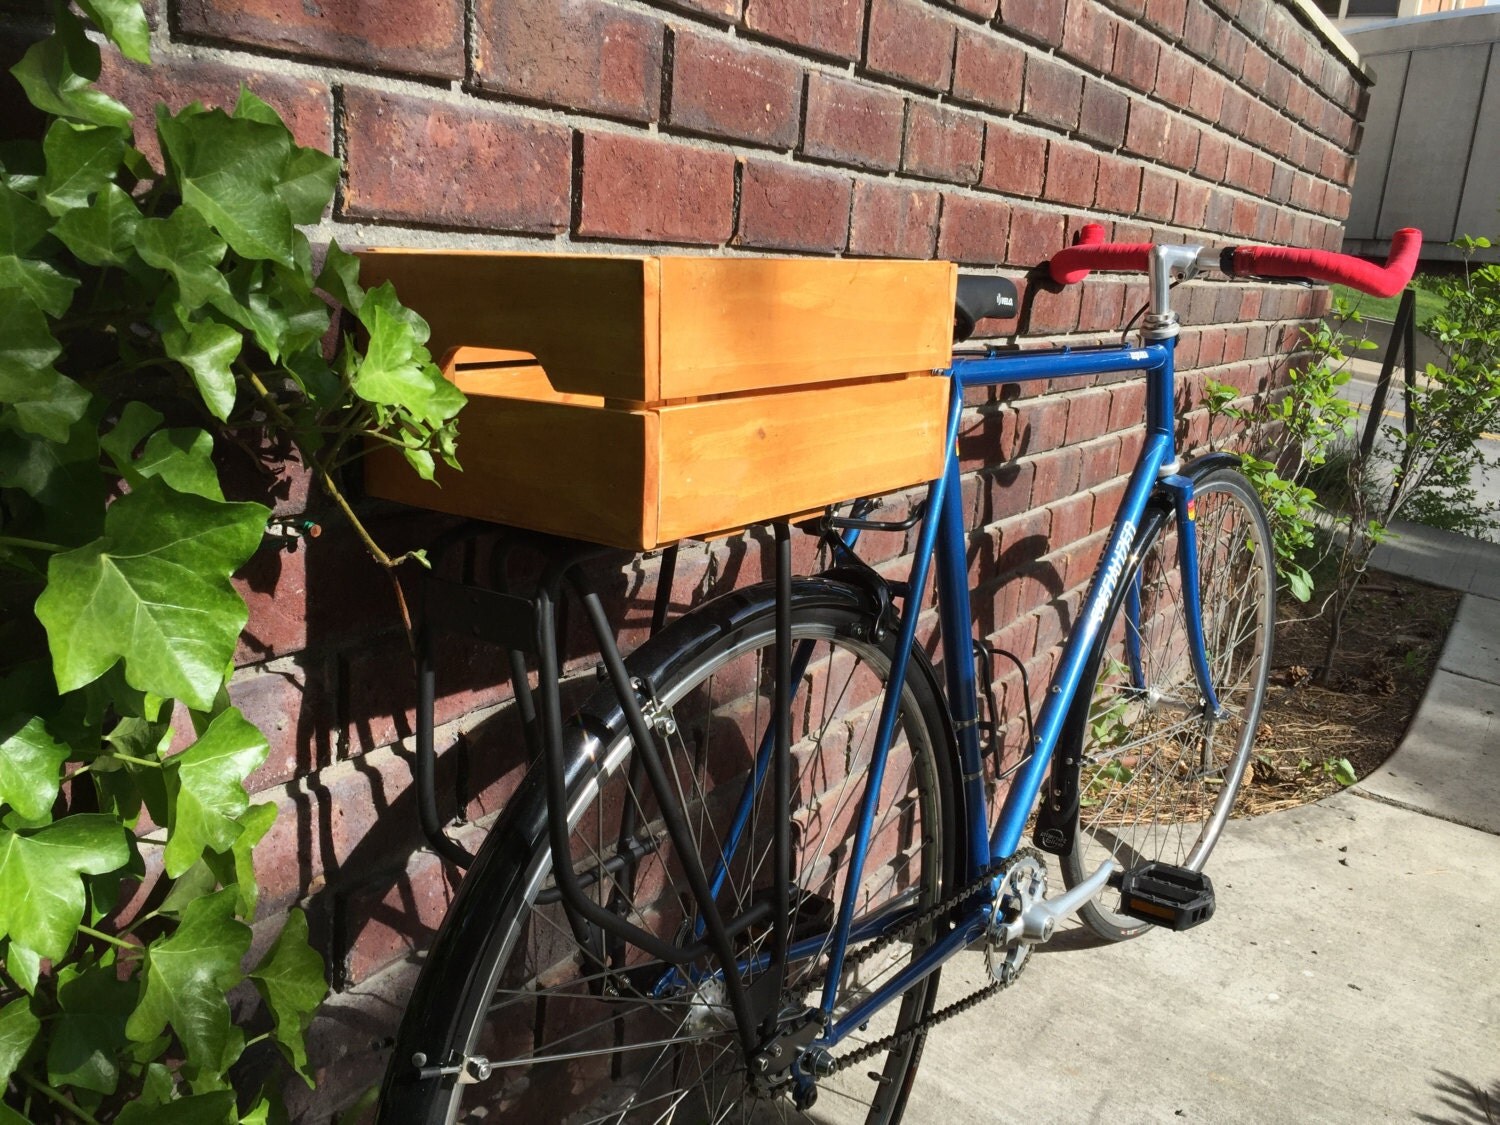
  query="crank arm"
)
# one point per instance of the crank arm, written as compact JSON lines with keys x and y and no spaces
{"x":1038,"y":921}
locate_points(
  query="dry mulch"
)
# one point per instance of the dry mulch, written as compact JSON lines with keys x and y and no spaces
{"x":1393,"y":635}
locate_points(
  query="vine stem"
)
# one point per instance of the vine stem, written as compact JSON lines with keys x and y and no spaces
{"x":58,"y":1097}
{"x":102,"y":936}
{"x":133,"y":760}
{"x":325,"y":479}
{"x":34,"y":544}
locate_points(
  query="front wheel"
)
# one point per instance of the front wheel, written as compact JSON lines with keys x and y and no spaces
{"x":1158,"y":775}
{"x":579,"y":1027}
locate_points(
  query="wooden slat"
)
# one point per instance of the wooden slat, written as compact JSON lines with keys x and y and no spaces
{"x":590,"y":321}
{"x":730,"y":462}
{"x":740,"y":323}
{"x":550,"y":466}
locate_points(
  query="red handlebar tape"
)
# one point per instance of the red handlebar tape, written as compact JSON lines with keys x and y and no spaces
{"x":1092,"y":253}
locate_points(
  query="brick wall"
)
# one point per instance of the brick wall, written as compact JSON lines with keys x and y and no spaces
{"x":985,"y":131}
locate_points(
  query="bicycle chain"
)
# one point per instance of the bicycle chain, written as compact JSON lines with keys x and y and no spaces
{"x":905,"y":1035}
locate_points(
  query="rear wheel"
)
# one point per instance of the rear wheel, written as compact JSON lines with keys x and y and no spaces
{"x":1159,"y":776}
{"x":572,"y":1041}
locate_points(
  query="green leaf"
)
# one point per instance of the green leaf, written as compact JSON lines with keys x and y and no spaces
{"x":41,"y":889}
{"x":154,"y":591}
{"x":187,"y":976}
{"x":290,"y":977}
{"x":340,"y":278}
{"x":211,"y":794}
{"x":197,"y":881}
{"x":81,"y":160}
{"x":18,"y":1027}
{"x":308,"y":184}
{"x":216,"y":1108}
{"x":1343,"y":772}
{"x":58,"y":75}
{"x":228,"y":170}
{"x":1299,"y":582}
{"x":157,"y":1086}
{"x":397,"y":370}
{"x":24,"y":965}
{"x":30,"y":769}
{"x":238,"y":867}
{"x":186,"y":247}
{"x":208,"y":350}
{"x":183,"y":457}
{"x":87,"y":1039}
{"x":104,"y":234}
{"x":124,"y":23}
{"x":23,"y":227}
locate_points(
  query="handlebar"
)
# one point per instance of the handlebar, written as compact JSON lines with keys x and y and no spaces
{"x":1091,"y":252}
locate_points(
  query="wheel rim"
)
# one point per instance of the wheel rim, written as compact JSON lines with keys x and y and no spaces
{"x":672,"y":1057}
{"x":1158,"y":779}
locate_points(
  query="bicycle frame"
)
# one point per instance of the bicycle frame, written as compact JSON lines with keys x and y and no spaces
{"x":942,"y":541}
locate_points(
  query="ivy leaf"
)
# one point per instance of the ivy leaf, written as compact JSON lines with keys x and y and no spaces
{"x":24,"y":966}
{"x":207,"y":349}
{"x":228,"y":170}
{"x":187,"y":977}
{"x":197,"y":881}
{"x":216,"y":1108}
{"x":290,"y":977}
{"x":23,"y":227}
{"x":154,"y":591}
{"x":210,"y":776}
{"x":308,"y":184}
{"x":18,"y":1027}
{"x":397,"y":370}
{"x":58,"y":75}
{"x":186,"y":247}
{"x":340,"y":277}
{"x":238,"y":867}
{"x":41,"y":889}
{"x":81,"y":159}
{"x":104,"y":234}
{"x":124,"y":23}
{"x":183,"y":457}
{"x":87,"y":1038}
{"x":31,"y":769}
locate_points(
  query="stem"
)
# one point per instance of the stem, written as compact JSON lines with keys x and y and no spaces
{"x":102,"y":936}
{"x":58,"y":1097}
{"x":133,"y":760}
{"x":32,"y":544}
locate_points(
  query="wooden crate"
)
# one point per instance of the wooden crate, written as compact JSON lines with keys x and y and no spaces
{"x":638,"y":401}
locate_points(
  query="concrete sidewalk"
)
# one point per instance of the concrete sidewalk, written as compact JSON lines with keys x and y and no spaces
{"x":1352,"y":970}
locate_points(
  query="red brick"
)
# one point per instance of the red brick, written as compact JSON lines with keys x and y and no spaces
{"x":1072,"y":173}
{"x":306,"y":105}
{"x":1127,"y":405}
{"x":413,"y":36}
{"x":1174,"y":78}
{"x":1101,"y":307}
{"x":1202,"y":30}
{"x":1237,"y":167}
{"x":943,"y":144}
{"x":1040,"y":22}
{"x":893,"y":221}
{"x":1146,"y":134}
{"x":1182,"y":144}
{"x":648,"y":190}
{"x":1262,"y":173}
{"x":731,"y":91}
{"x":988,"y":70}
{"x":1158,"y":195}
{"x":292,"y":703}
{"x":1192,"y":204}
{"x":1137,"y":55}
{"x":583,"y":55}
{"x":1056,"y":475}
{"x":1088,"y":415}
{"x":973,"y":230}
{"x":1054,"y":311}
{"x":829,"y":27}
{"x":406,"y":154}
{"x":1229,"y":53}
{"x":852,"y":123}
{"x":1034,"y":236}
{"x":911,"y":43}
{"x":1119,"y":188}
{"x":1207,"y":98}
{"x":1089,"y":35}
{"x":793,"y":207}
{"x":1167,"y":16}
{"x":393,"y":918}
{"x":1053,"y":93}
{"x":982,"y":9}
{"x":1234,"y":114}
{"x":1213,"y":156}
{"x":725,"y":11}
{"x":1104,"y":114}
{"x":1014,"y":161}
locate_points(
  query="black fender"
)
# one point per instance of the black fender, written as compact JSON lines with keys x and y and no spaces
{"x":1057,"y":815}
{"x":437,"y":1015}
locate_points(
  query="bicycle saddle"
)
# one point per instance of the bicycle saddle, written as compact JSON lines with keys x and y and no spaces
{"x":980,"y":296}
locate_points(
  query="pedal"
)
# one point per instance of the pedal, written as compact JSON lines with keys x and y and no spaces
{"x":1164,"y":895}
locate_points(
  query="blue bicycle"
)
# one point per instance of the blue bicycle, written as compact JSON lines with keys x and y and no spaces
{"x":726,"y":888}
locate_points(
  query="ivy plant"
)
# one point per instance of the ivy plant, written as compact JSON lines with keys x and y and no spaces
{"x":154,"y":321}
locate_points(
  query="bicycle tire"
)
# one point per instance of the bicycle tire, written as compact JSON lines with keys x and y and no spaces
{"x":1157,"y":780}
{"x":727,"y":641}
